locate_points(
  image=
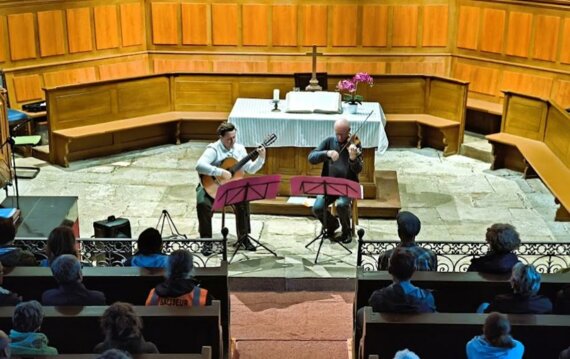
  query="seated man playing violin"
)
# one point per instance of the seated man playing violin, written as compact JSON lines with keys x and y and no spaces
{"x":341,"y":157}
{"x":212,"y":171}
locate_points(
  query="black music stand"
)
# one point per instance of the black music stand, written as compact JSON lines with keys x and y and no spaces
{"x":327,"y":186}
{"x":246,"y":190}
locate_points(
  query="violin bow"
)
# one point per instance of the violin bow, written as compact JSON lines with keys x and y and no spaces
{"x":355,"y":132}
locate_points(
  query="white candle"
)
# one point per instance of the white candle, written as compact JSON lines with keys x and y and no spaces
{"x":276,"y":95}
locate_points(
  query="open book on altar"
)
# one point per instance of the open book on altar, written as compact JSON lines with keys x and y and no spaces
{"x":318,"y":102}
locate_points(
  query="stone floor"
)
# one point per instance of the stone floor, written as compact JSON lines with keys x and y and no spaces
{"x":456,"y":197}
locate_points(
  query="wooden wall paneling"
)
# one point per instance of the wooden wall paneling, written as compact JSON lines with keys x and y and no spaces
{"x":561,"y":93}
{"x":284,"y":25}
{"x":493,"y":30}
{"x":3,"y":38}
{"x":406,"y":67}
{"x":123,"y":69}
{"x":289,"y":67}
{"x":22,"y":36}
{"x":195,"y":24}
{"x":518,"y":34}
{"x":435,"y":25}
{"x":165,"y":23}
{"x":546,"y":37}
{"x":143,"y":97}
{"x":79,"y":33}
{"x":195,"y":94}
{"x":375,"y":25}
{"x":556,"y":133}
{"x":239,"y":66}
{"x":344,"y":67}
{"x":405,"y":26}
{"x":51,"y":33}
{"x":525,"y":117}
{"x":390,"y":90}
{"x":132,"y":26}
{"x":171,"y":65}
{"x":344,"y":25}
{"x":468,"y":27}
{"x":263,"y":87}
{"x":80,"y":108}
{"x":69,"y":77}
{"x":526,"y":83}
{"x":106,"y":27}
{"x":225,"y":24}
{"x":565,"y":48}
{"x":28,"y":88}
{"x":481,"y":79}
{"x":255,"y":24}
{"x":314,"y":22}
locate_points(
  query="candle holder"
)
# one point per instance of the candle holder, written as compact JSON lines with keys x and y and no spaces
{"x":275,"y":104}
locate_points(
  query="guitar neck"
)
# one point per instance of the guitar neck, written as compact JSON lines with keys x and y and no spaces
{"x":250,"y":157}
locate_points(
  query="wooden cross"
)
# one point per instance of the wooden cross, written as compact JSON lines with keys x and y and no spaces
{"x":314,"y":83}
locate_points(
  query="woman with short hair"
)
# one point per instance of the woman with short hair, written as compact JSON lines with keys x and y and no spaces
{"x":496,"y":341}
{"x":503,"y":239}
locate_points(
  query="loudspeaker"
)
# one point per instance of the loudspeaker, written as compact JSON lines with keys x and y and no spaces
{"x":112,"y":228}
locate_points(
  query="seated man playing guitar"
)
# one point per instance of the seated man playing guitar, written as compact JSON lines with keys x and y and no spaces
{"x":214,"y":171}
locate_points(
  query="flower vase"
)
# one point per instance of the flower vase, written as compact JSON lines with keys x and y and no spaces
{"x":352,"y":108}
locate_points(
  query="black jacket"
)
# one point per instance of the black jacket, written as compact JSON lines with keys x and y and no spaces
{"x":341,"y":168}
{"x":8,"y":299}
{"x":518,"y":304}
{"x":133,"y":345}
{"x":72,"y":294}
{"x":494,"y":263}
{"x":392,"y":299}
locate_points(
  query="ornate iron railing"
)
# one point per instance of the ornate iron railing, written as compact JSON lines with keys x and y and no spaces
{"x":114,"y":251}
{"x":456,"y":256}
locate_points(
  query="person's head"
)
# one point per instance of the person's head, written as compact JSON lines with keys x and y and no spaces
{"x":227,"y":133}
{"x":180,"y":265}
{"x":503,"y":238}
{"x":114,"y":354}
{"x":408,"y":226}
{"x":525,"y":280}
{"x":66,"y":269}
{"x":120,"y":322}
{"x":406,"y":354}
{"x":61,"y":240}
{"x":28,"y":317}
{"x":150,"y":241}
{"x":341,"y":130}
{"x":497,"y":331}
{"x":4,"y":345}
{"x":402,"y":264}
{"x":565,"y":354}
{"x":7,"y":231}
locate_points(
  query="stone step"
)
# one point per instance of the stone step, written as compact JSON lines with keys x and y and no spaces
{"x":477,"y":147}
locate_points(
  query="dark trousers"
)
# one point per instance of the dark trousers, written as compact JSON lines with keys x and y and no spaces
{"x":320,"y":210}
{"x":204,"y":208}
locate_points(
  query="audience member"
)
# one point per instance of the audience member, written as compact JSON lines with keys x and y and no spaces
{"x":4,"y":345}
{"x":7,"y":298}
{"x":400,"y":296}
{"x":149,"y":253}
{"x":11,"y":256}
{"x":123,"y":330}
{"x":565,"y":354}
{"x":525,"y":282}
{"x":26,"y":341}
{"x":408,"y":228}
{"x":562,"y":304}
{"x":496,"y":341}
{"x":503,"y":239}
{"x":66,"y":270}
{"x":406,"y":354}
{"x":61,"y":240}
{"x":179,"y":289}
{"x":114,"y":354}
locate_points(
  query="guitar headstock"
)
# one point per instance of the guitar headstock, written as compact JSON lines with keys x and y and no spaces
{"x":269,"y":140}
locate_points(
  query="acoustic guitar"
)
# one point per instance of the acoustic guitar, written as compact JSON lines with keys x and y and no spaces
{"x":212,"y":183}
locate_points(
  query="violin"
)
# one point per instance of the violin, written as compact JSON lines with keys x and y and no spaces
{"x":353,"y":139}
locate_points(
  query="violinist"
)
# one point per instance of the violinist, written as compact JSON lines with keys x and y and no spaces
{"x":341,"y":158}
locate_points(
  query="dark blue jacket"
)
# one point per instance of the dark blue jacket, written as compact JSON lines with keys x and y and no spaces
{"x":494,"y":263}
{"x":72,"y":294}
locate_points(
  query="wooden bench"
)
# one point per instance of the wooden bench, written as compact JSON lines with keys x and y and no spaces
{"x":453,"y":291}
{"x":445,"y":335}
{"x":422,"y":110}
{"x":535,"y":139}
{"x":483,"y":116}
{"x":172,"y":329}
{"x":126,"y":284}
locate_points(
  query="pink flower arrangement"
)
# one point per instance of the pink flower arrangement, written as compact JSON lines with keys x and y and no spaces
{"x":348,"y":88}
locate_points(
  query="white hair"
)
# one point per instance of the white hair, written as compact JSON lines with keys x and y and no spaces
{"x":406,"y":354}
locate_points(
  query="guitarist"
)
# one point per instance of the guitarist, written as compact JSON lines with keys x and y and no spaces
{"x":226,"y":146}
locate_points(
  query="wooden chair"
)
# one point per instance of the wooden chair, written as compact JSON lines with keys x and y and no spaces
{"x":354,"y":215}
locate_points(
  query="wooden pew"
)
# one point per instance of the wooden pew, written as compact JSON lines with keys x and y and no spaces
{"x":172,"y":329}
{"x":126,"y":284}
{"x":483,"y":116}
{"x":455,"y":292}
{"x":444,"y":335}
{"x":534,"y":139}
{"x":205,"y":354}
